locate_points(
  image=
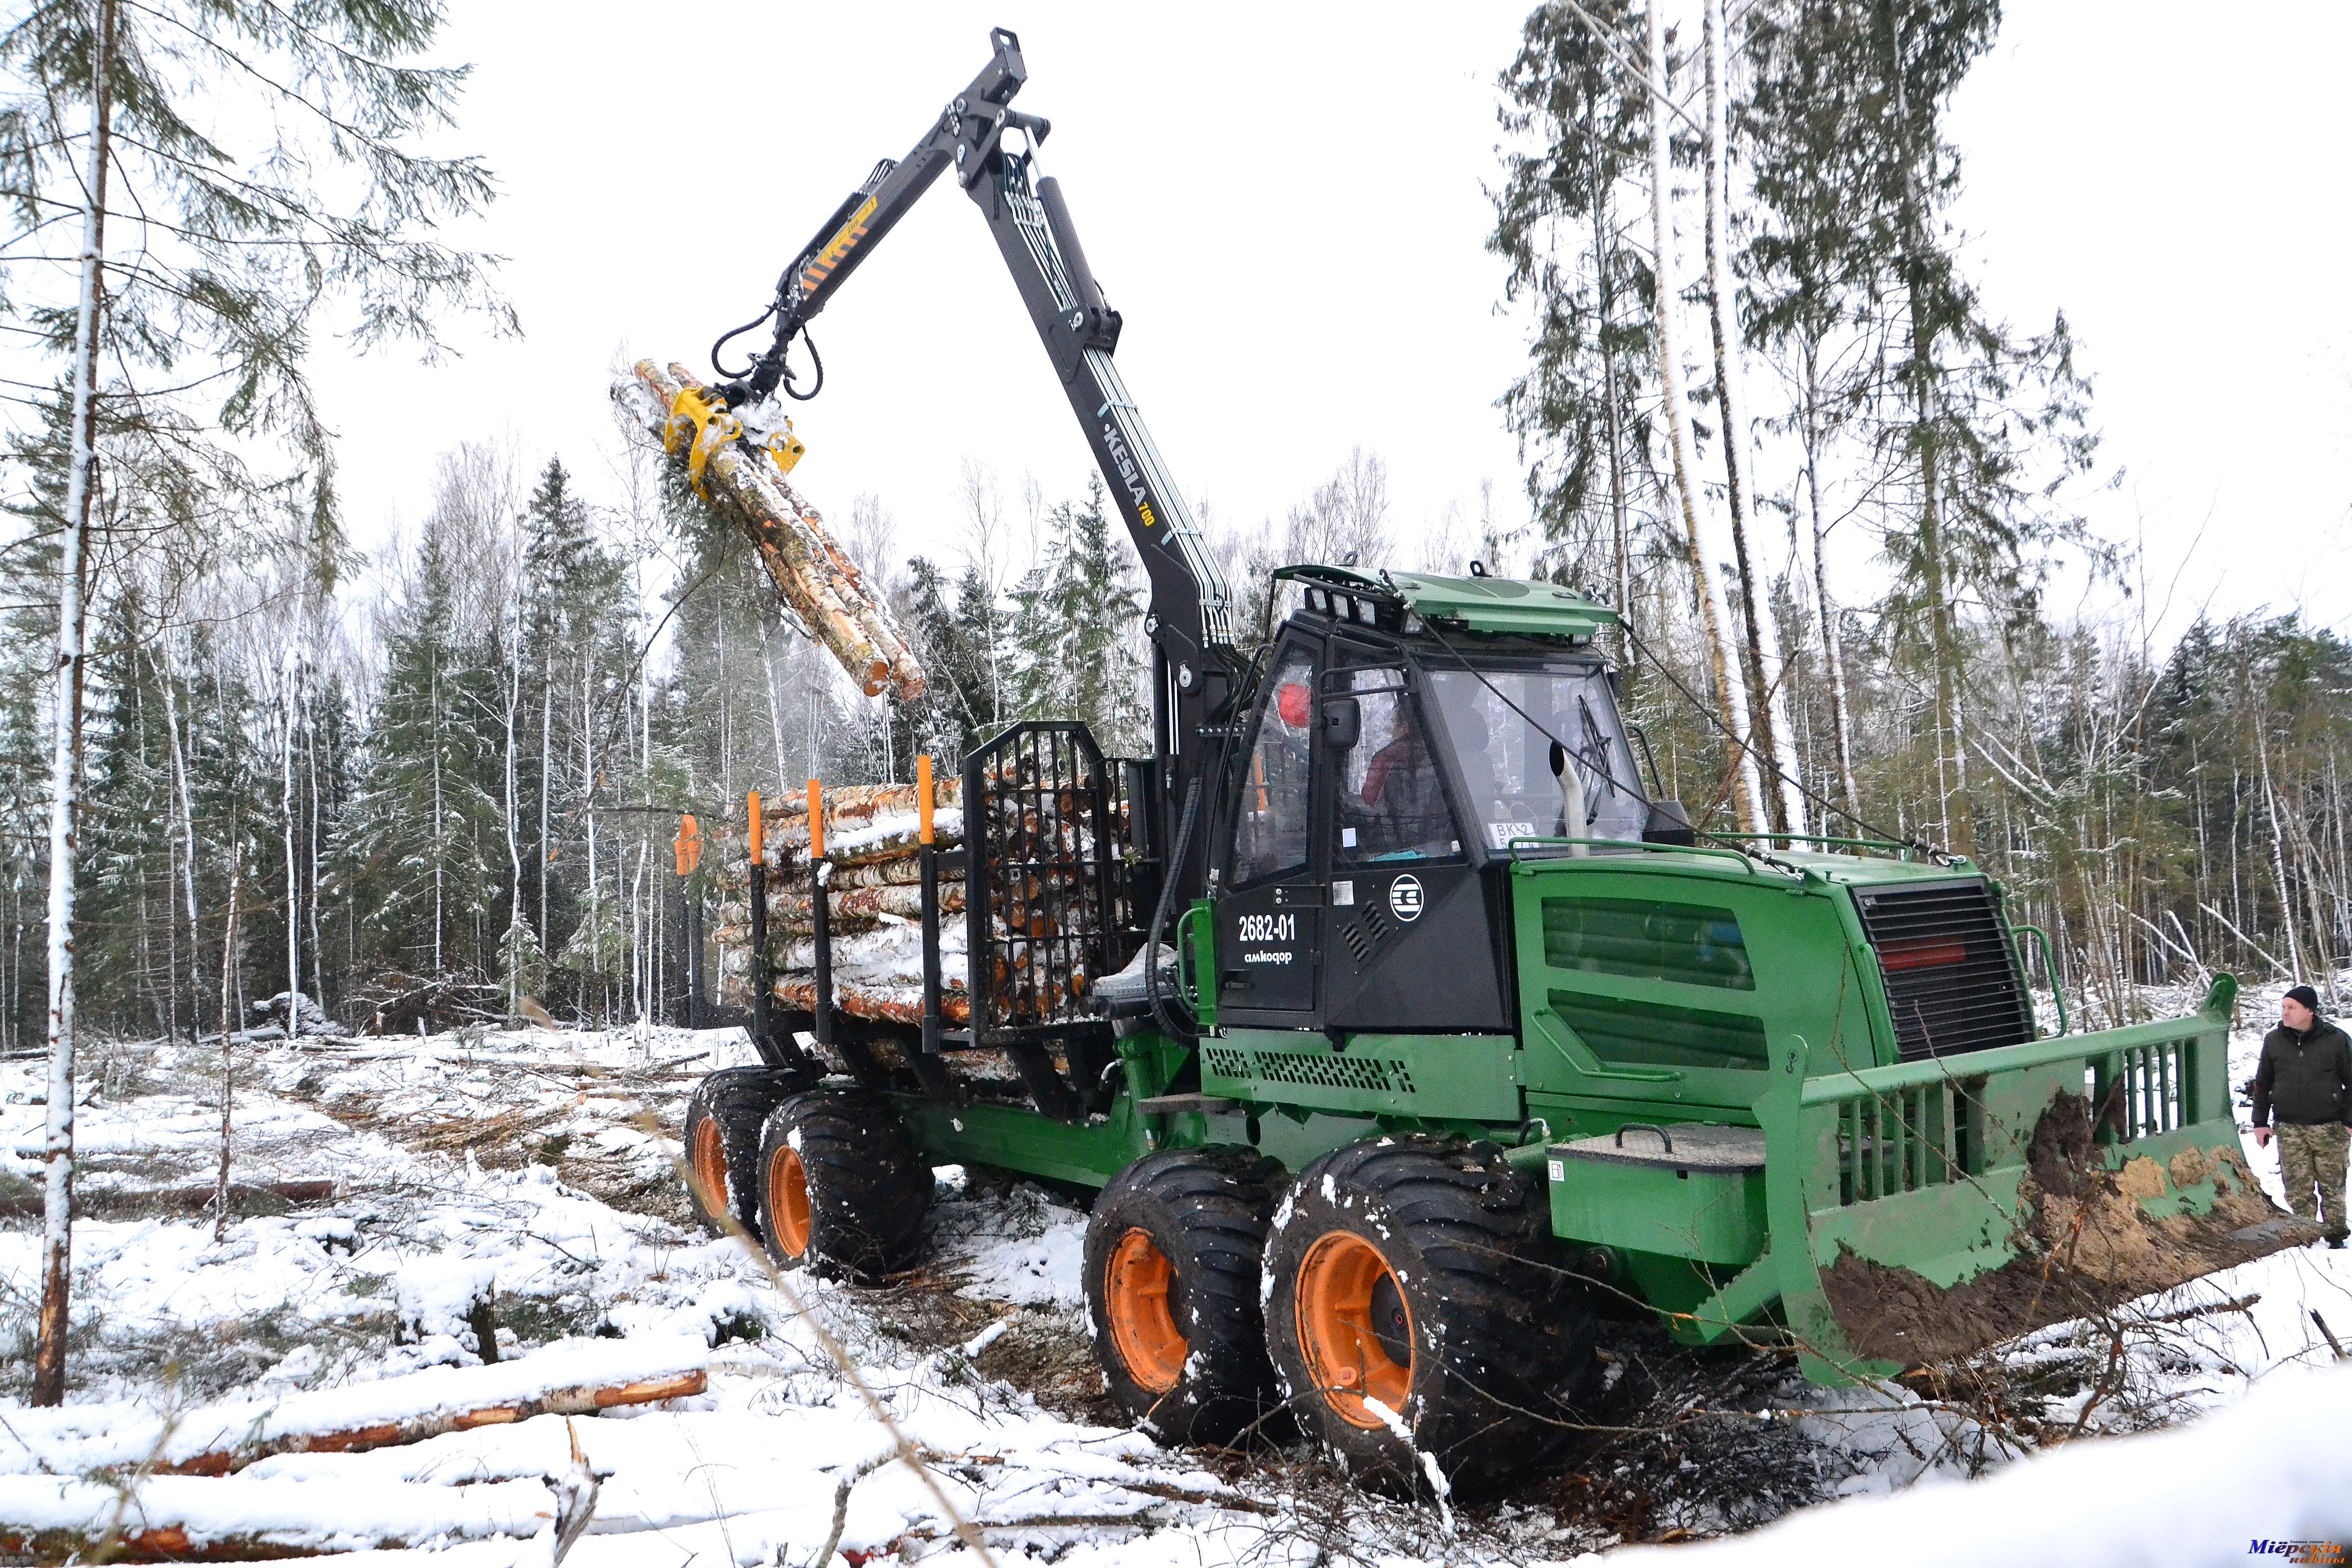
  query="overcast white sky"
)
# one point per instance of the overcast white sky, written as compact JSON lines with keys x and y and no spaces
{"x":1286,"y":202}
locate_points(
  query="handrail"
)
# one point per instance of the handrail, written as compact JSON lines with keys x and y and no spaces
{"x":1748,"y":862}
{"x":1908,"y":851}
{"x":1848,"y":1082}
{"x":1561,"y":1036}
{"x":1186,"y":981}
{"x":2049,"y":967}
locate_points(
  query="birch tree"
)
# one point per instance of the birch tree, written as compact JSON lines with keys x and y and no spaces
{"x":1697,"y":513}
{"x":1774,"y":734}
{"x":203,"y":315}
{"x":65,"y":753}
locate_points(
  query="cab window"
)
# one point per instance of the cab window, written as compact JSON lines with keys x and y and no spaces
{"x":1270,"y":835}
{"x":1391,"y":807}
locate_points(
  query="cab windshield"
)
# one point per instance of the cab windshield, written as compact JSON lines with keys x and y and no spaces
{"x":1512,"y":733}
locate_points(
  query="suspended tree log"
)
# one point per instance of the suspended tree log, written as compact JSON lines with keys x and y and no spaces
{"x":810,"y":572}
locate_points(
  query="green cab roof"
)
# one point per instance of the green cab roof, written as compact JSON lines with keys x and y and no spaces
{"x":1479,"y":603}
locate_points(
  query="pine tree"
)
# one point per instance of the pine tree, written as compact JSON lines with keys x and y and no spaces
{"x":955,"y":629}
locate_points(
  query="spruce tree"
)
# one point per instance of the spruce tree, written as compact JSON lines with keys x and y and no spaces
{"x":1972,"y":424}
{"x":1080,"y":621}
{"x":423,"y":870}
{"x":1576,"y":112}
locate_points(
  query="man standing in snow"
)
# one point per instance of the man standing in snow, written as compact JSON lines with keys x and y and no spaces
{"x":2306,"y":1076}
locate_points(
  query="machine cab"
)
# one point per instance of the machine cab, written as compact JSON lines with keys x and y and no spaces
{"x":1386,"y":768}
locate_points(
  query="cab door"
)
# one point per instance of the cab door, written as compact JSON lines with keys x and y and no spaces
{"x":1269,"y":912}
{"x":1412,"y":929}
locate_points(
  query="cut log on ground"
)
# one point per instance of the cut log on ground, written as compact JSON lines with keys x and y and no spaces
{"x":243,"y":1195}
{"x":577,"y":1378}
{"x":188,"y":1519}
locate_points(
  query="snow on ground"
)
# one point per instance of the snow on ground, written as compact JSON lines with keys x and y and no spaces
{"x":531,"y":1174}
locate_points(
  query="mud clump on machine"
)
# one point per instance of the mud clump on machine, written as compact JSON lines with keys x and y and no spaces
{"x":2085,"y":1242}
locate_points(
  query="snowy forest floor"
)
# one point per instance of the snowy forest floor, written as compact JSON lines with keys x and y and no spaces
{"x":536,"y":1169}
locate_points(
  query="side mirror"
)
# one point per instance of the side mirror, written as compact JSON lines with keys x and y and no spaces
{"x":1668,"y":824}
{"x":1343,"y":723}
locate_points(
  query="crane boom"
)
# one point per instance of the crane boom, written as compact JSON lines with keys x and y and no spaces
{"x":991,"y":148}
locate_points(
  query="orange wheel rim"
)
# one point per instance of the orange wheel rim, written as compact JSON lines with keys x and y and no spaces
{"x":1352,"y":1323}
{"x":1142,"y":1327}
{"x":788,"y":1201}
{"x":707,"y":1166}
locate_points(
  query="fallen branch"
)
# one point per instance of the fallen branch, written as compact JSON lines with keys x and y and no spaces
{"x":577,"y":1379}
{"x":190,"y":1200}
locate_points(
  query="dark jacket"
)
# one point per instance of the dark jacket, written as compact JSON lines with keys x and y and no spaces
{"x":2307,"y":1077}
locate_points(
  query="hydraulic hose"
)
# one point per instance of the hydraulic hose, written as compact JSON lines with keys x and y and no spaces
{"x":1161,"y":1013}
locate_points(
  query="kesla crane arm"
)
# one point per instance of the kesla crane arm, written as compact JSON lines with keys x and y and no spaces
{"x":991,"y":148}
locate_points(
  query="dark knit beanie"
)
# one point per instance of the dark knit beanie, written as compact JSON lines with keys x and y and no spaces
{"x":2305,"y":995}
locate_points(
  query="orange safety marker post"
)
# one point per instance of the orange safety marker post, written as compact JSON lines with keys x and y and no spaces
{"x":690,"y":922}
{"x":820,"y":916}
{"x":760,"y":983}
{"x":927,"y":859}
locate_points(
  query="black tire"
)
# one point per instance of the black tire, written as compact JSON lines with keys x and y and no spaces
{"x":863,"y":1186}
{"x":1172,"y":1259}
{"x":723,"y":1118}
{"x":1495,"y":1340}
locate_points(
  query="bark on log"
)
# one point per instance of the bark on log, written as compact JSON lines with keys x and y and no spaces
{"x":91,"y":1201}
{"x":882,"y":1004}
{"x":793,"y":915}
{"x":433,"y":1424}
{"x":174,"y":1519}
{"x":811,"y":572}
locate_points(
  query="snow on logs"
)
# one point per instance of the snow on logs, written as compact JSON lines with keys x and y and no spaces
{"x":575,"y":1378}
{"x":811,"y":572}
{"x":170,"y":1487}
{"x":871,"y":849}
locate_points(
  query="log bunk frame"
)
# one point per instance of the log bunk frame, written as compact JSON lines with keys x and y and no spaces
{"x":1057,"y":867}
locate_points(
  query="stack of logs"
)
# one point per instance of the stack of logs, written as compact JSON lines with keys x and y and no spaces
{"x":873,"y":884}
{"x":1047,"y":906}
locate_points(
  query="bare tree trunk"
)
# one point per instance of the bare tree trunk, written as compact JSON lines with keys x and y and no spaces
{"x":2278,"y":861}
{"x":1832,"y":652}
{"x":317,"y":956}
{"x":514,"y":837}
{"x":546,"y":773}
{"x":1608,"y":394}
{"x":188,"y":824}
{"x":440,"y":837}
{"x":65,"y":753}
{"x":588,"y":803}
{"x":293,"y":874}
{"x":228,"y":1075}
{"x":1774,"y":734}
{"x":1731,"y":692}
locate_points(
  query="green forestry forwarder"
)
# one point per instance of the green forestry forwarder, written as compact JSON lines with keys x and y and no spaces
{"x":1398,"y":1024}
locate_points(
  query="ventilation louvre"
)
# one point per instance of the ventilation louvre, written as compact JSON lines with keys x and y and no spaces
{"x":1376,"y":1074}
{"x":1950,"y":980}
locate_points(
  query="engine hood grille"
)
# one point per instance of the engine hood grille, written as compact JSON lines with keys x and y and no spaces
{"x":1951,"y":982}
